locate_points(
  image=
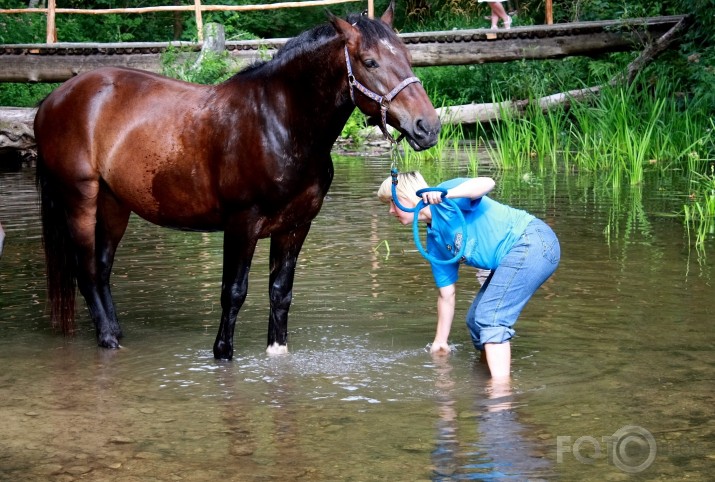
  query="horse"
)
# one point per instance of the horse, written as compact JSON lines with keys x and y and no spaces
{"x":250,"y":157}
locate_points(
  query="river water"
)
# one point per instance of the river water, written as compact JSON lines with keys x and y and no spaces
{"x":612,"y":372}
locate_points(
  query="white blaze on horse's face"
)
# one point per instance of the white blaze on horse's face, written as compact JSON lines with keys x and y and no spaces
{"x":389,"y":46}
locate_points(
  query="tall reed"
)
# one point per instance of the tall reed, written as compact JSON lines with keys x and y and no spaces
{"x":512,"y":145}
{"x":628,"y":129}
{"x":623,"y":130}
{"x":700,"y":212}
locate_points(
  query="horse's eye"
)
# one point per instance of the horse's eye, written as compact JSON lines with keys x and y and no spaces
{"x":371,"y":64}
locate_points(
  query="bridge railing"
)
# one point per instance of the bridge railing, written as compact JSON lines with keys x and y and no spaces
{"x":52,"y":10}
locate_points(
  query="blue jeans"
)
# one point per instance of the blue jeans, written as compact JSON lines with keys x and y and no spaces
{"x":509,"y":287}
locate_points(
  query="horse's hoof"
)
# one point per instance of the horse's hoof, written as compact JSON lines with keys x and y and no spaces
{"x":223,"y":351}
{"x":109,"y":342}
{"x":276,"y":349}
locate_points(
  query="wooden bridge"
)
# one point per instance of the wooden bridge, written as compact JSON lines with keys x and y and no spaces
{"x":58,"y":62}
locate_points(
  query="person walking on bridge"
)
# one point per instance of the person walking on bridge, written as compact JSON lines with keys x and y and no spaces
{"x":498,"y":13}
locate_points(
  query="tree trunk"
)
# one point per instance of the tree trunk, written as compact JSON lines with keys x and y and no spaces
{"x":178,"y":24}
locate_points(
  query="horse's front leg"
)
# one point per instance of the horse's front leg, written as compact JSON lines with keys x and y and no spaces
{"x":237,"y":254}
{"x":284,"y":257}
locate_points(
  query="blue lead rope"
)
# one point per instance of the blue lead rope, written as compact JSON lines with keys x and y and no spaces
{"x":415,"y":223}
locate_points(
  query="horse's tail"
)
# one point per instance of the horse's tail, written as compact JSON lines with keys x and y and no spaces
{"x":60,"y":257}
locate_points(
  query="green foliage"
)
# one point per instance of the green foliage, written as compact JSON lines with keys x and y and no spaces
{"x":700,"y":211}
{"x":23,"y":95}
{"x":21,"y":28}
{"x":621,"y":130}
{"x":287,"y":22}
{"x":463,"y":84}
{"x":354,"y":127}
{"x":157,"y":26}
{"x":694,"y":64}
{"x":234,"y":28}
{"x":210,"y":68}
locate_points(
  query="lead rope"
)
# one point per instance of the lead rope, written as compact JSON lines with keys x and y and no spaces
{"x":416,"y":210}
{"x":384,"y":102}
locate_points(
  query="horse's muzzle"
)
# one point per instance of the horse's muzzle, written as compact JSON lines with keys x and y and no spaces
{"x":423,"y":134}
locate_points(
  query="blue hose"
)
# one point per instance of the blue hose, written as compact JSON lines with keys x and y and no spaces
{"x":415,"y":223}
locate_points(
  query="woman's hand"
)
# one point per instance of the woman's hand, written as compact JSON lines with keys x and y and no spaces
{"x":432,"y":197}
{"x":440,"y":348}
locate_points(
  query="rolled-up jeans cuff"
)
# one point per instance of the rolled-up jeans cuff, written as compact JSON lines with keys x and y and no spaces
{"x":495,"y":334}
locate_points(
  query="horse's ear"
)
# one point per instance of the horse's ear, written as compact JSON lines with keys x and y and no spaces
{"x":345,"y":29}
{"x":389,"y":14}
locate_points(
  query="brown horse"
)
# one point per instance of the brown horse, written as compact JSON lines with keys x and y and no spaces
{"x":250,"y":156}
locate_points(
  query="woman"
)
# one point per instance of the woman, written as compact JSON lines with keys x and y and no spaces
{"x":520,"y":250}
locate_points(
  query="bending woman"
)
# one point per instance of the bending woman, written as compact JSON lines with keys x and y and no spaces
{"x":520,"y":250}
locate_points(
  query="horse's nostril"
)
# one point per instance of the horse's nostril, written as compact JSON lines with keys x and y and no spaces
{"x":420,"y":131}
{"x":424,"y":129}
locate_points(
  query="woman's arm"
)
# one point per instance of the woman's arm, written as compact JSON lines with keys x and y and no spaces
{"x":445,"y":314}
{"x":473,"y":188}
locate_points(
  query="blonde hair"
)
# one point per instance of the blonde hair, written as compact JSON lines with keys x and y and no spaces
{"x":408,"y":183}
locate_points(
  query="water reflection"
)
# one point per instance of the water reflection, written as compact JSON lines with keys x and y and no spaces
{"x":490,"y":442}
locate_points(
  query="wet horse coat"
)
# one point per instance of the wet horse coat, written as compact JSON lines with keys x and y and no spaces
{"x":250,"y":157}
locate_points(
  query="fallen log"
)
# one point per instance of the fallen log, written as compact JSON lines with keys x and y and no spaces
{"x":16,"y":132}
{"x":482,"y":113}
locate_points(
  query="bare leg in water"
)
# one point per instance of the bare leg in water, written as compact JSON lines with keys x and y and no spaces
{"x":498,"y":357}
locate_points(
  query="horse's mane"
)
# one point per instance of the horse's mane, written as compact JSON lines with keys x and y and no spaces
{"x":372,"y":31}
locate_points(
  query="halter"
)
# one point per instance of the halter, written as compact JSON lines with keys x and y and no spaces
{"x":383,"y":100}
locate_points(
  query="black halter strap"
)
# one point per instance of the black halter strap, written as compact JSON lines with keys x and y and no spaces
{"x":382,"y":100}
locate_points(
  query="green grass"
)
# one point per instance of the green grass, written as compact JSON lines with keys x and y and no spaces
{"x":623,"y":131}
{"x":699,"y":213}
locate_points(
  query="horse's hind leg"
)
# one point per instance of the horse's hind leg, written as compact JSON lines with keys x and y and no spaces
{"x":284,"y":257}
{"x":112,"y":220}
{"x":83,"y":208}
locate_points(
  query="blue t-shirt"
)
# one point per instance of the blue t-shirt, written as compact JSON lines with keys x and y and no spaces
{"x":492,"y":229}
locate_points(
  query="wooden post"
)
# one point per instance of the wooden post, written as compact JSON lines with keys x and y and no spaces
{"x":371,"y":8}
{"x":51,"y":31}
{"x":215,"y":42}
{"x":549,"y":12}
{"x":199,"y":21}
